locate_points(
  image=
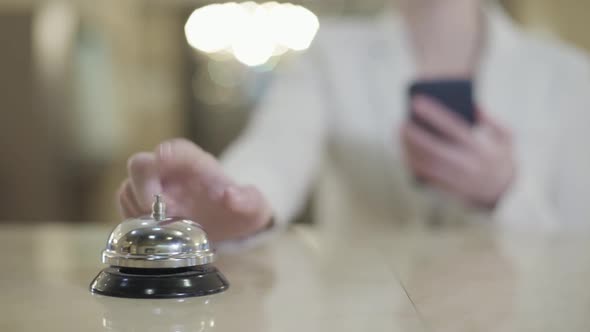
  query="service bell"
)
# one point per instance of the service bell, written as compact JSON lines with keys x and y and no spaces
{"x":158,"y":257}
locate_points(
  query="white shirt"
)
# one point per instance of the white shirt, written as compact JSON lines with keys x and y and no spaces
{"x":333,"y":116}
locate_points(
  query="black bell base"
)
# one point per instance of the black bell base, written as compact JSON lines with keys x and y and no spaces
{"x":159,"y":283}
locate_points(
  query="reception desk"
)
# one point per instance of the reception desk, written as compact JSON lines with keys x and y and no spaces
{"x":311,"y":278}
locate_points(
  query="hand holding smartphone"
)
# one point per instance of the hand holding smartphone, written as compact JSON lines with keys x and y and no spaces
{"x":455,"y":95}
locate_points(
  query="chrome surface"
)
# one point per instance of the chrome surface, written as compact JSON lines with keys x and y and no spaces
{"x":158,"y":241}
{"x":159,"y":209}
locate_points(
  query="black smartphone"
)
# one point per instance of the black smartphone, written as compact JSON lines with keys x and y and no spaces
{"x":456,"y":95}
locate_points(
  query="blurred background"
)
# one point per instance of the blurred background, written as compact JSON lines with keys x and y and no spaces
{"x":84,"y":84}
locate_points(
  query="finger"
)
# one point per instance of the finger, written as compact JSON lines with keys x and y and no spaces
{"x":248,"y":202}
{"x":427,"y":167}
{"x":242,"y":200}
{"x":448,"y":123}
{"x":123,"y":203}
{"x":132,"y":198}
{"x":448,"y":180}
{"x":498,"y":129}
{"x":436,"y":152}
{"x":127,"y":203}
{"x":145,"y":180}
{"x":181,"y":155}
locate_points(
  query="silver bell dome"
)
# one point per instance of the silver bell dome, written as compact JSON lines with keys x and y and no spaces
{"x":158,"y":242}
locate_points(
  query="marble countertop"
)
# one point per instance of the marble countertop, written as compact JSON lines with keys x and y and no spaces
{"x":378,"y":278}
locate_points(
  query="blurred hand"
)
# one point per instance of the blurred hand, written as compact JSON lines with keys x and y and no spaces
{"x":474,"y":164}
{"x":194,"y":186}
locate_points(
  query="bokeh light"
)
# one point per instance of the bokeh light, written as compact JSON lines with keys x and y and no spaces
{"x":251,"y":32}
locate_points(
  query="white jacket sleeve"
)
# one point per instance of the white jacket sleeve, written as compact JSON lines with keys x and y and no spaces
{"x":571,"y":186}
{"x":280,"y":150}
{"x":564,"y":198}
